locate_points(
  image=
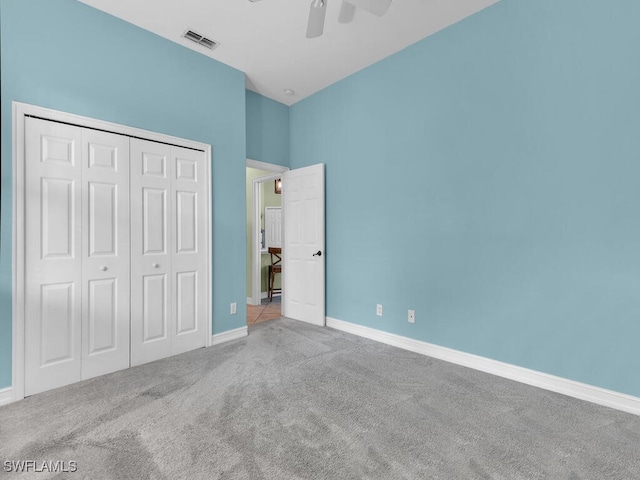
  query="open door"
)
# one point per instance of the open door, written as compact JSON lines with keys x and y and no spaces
{"x":303,"y":244}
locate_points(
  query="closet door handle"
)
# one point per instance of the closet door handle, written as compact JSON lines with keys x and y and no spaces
{"x":156,"y":265}
{"x":103,"y":268}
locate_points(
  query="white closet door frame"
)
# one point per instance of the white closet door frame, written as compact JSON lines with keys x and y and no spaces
{"x":20,"y":112}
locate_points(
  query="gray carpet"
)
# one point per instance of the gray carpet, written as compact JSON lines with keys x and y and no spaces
{"x":294,"y":401}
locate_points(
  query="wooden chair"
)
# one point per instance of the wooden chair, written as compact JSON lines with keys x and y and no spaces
{"x":275,"y":267}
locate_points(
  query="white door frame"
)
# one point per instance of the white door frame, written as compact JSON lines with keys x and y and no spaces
{"x":256,"y":255}
{"x":20,"y":111}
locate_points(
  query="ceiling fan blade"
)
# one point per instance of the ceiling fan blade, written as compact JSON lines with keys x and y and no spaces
{"x":377,"y":7}
{"x":347,"y":11}
{"x":317,"y":13}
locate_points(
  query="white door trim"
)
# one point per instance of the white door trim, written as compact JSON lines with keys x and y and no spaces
{"x":20,"y":111}
{"x":256,"y":294}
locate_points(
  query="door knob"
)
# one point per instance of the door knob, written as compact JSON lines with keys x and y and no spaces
{"x":155,"y":265}
{"x":103,"y":268}
{"x":317,"y":254}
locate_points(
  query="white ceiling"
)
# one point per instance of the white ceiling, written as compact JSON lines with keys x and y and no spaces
{"x":266,"y":39}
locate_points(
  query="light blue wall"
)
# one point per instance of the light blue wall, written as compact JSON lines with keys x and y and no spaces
{"x":485,"y":177}
{"x":488,"y":177}
{"x":267,"y":130}
{"x":64,"y":55}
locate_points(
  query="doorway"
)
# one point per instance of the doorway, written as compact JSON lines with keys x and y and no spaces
{"x":264,"y":208}
{"x":303,"y":241}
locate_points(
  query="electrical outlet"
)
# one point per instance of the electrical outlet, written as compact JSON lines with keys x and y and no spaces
{"x":379,"y":310}
{"x":411,"y":317}
{"x":234,"y":308}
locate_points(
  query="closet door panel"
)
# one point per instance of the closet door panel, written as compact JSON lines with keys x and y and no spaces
{"x":187,"y":300}
{"x":154,"y":308}
{"x":189,"y":253}
{"x":154,"y":216}
{"x":53,"y":268}
{"x":102,"y":319}
{"x":105,"y":252}
{"x":186,"y":222}
{"x":152,"y":320}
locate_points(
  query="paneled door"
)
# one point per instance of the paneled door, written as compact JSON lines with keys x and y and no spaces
{"x":189,"y":249}
{"x":151,"y":226}
{"x":53,"y":257}
{"x":273,"y":226}
{"x":105,"y":252}
{"x":169,"y":250}
{"x":77,"y":254}
{"x":303,"y":244}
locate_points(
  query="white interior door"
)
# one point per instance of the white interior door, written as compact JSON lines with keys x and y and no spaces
{"x":169,"y":258}
{"x":105,"y":252}
{"x":53,"y":259}
{"x":151,"y":224}
{"x":303,"y":244}
{"x":273,"y":226}
{"x":189,"y":252}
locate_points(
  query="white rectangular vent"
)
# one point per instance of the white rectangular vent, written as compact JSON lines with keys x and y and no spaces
{"x":200,"y":39}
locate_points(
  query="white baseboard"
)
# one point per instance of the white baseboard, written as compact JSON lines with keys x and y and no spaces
{"x":263,"y":295}
{"x":583,"y":391}
{"x":6,"y":396}
{"x":223,"y":337}
{"x":266,"y":295}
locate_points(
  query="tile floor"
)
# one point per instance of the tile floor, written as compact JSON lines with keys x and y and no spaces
{"x":266,"y":311}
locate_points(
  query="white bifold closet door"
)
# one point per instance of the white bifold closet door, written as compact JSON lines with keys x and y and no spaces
{"x":116,"y":252}
{"x":168,"y":258}
{"x":105,"y":253}
{"x":77,"y":254}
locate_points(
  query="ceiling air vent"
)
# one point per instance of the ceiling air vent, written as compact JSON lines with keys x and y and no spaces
{"x":200,"y":39}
